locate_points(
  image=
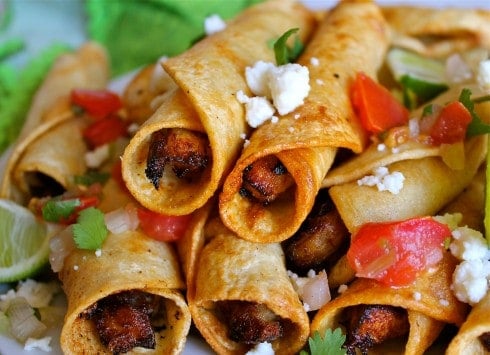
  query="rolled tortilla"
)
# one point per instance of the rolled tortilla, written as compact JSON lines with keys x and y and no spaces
{"x":244,"y":271}
{"x":129,"y":261}
{"x":470,"y":336}
{"x":428,"y":186}
{"x":456,"y":30}
{"x":429,"y":302}
{"x":352,"y":38}
{"x":208,"y":76}
{"x":51,"y":125}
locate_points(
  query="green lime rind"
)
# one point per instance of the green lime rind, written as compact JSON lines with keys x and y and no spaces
{"x":24,"y":242}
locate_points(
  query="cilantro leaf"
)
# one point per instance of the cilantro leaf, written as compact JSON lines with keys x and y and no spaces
{"x":476,"y":126}
{"x":57,"y":210}
{"x":331,"y":343}
{"x":90,"y":230}
{"x":285,"y":54}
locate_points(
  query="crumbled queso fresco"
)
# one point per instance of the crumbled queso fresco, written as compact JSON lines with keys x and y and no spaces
{"x":276,"y":88}
{"x":384,"y":180}
{"x":213,"y":23}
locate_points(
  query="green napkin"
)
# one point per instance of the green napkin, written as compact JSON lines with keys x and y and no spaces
{"x":139,"y":32}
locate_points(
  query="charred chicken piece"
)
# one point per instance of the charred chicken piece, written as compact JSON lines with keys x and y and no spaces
{"x":186,"y":152}
{"x":370,"y":325}
{"x":321,"y":235}
{"x":485,"y":340}
{"x":265,"y":179}
{"x":123,"y":320}
{"x":250,"y":323}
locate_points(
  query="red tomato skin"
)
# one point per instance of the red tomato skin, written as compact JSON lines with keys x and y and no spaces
{"x":377,"y":108}
{"x":105,"y":131}
{"x":85,"y":202}
{"x":408,"y":247}
{"x":451,"y":124}
{"x":97,"y":103}
{"x":163,"y":227}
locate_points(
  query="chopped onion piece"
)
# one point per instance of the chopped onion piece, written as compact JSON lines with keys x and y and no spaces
{"x":60,"y":246}
{"x":316,"y":292}
{"x":122,"y":220}
{"x":23,"y":321}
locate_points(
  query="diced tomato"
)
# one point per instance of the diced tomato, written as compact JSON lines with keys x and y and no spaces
{"x":451,"y":124}
{"x":105,"y":131}
{"x":97,"y":103}
{"x":394,"y":253}
{"x":162,"y":227}
{"x":376,"y":107}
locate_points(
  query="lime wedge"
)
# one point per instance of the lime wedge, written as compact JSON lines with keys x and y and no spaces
{"x":24,"y":242}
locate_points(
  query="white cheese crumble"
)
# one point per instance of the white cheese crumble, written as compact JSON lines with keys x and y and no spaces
{"x":285,"y":87}
{"x":41,"y":344}
{"x":484,"y":74}
{"x":470,"y":280}
{"x":261,"y":349}
{"x":258,"y":110}
{"x":384,"y":180}
{"x":98,"y":253}
{"x":75,"y":267}
{"x":471,"y":277}
{"x":342,"y":288}
{"x":214,"y":23}
{"x":417,"y":296}
{"x":95,"y":158}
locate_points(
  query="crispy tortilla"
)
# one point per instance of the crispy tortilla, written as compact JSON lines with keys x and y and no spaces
{"x":245,"y":271}
{"x":351,"y":38}
{"x":129,"y":261}
{"x":427,"y":314}
{"x":50,"y":125}
{"x":477,"y":324}
{"x":438,"y":32}
{"x":208,"y":76}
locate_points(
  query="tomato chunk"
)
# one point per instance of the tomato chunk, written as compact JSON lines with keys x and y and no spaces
{"x":376,"y":107}
{"x":451,"y":124}
{"x":97,"y":103}
{"x":394,"y":253}
{"x":163,"y":227}
{"x":105,"y":131}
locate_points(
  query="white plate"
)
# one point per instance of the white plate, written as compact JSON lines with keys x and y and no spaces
{"x":66,"y":25}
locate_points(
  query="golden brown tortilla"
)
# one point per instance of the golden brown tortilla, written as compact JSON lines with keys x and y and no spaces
{"x":438,"y":32}
{"x":427,"y":314}
{"x":208,"y":76}
{"x":129,"y":261}
{"x":50,"y":125}
{"x":245,"y":271}
{"x":352,"y":38}
{"x":477,"y":324}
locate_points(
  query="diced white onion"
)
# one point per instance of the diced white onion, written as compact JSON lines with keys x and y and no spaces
{"x":60,"y":246}
{"x":23,"y":321}
{"x":122,"y":220}
{"x":316,"y":292}
{"x":457,"y":70}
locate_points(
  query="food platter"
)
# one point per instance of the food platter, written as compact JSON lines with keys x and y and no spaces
{"x":68,"y":17}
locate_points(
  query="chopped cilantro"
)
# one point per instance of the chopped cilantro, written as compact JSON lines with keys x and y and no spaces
{"x":285,"y":54}
{"x":330,"y":344}
{"x":90,"y":230}
{"x":476,"y":126}
{"x":57,"y":210}
{"x":91,"y":177}
{"x":11,"y":47}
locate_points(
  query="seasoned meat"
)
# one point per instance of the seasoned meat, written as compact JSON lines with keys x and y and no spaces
{"x":250,"y":323}
{"x":485,"y":340}
{"x":123,"y":320}
{"x":186,"y":152}
{"x":321,"y":234}
{"x":369,"y":325}
{"x":265,"y":179}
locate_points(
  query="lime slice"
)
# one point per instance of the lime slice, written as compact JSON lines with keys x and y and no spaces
{"x":24,"y":242}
